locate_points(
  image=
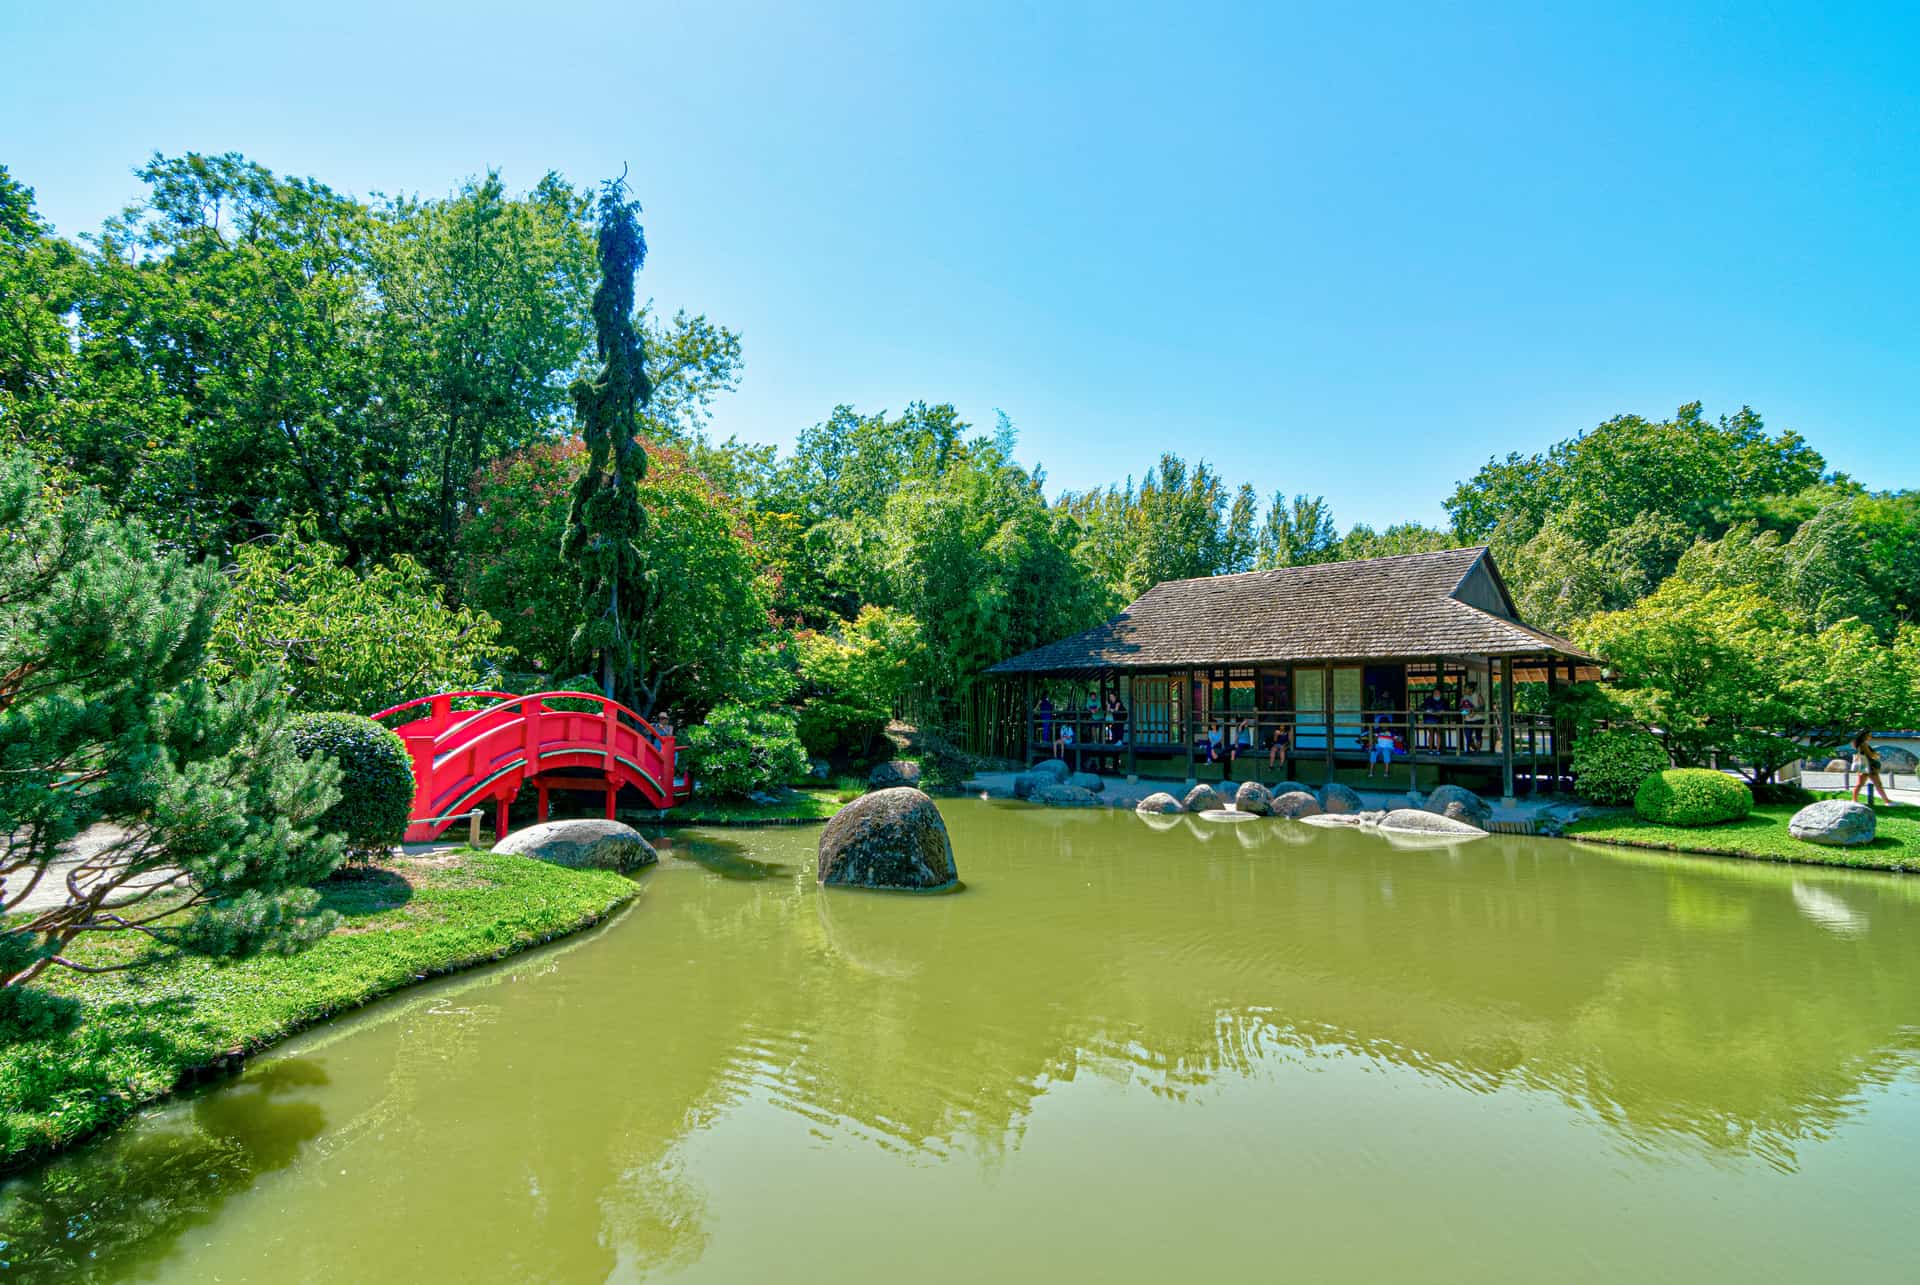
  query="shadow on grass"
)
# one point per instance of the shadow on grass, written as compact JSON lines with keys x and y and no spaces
{"x":364,"y":890}
{"x":121,"y":1206}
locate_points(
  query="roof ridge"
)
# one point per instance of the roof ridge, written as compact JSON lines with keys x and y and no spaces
{"x":1311,"y":566}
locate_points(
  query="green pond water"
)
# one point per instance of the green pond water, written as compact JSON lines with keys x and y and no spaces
{"x":1216,"y":1052}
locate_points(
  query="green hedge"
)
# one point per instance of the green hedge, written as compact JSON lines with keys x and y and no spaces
{"x":1690,"y":796}
{"x":376,"y":779}
{"x":1610,"y":764}
{"x":739,"y":749}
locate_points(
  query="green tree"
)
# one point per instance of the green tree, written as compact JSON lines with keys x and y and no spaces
{"x":483,"y":320}
{"x":851,"y":679}
{"x":1724,"y":669}
{"x":38,"y":279}
{"x":337,"y":639}
{"x":1362,"y":541}
{"x":710,"y":604}
{"x":605,"y":524}
{"x":1297,"y":534}
{"x":106,"y":715}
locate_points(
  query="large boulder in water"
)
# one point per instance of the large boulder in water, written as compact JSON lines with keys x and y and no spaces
{"x":1417,"y":821}
{"x":1836,"y":823}
{"x":582,"y":844}
{"x":1091,"y":782}
{"x":1296,"y":804}
{"x":893,"y":774}
{"x":1474,"y":810}
{"x":1203,"y":798}
{"x":1055,"y":770}
{"x":888,"y":839}
{"x":1065,"y":796}
{"x":1289,"y":787}
{"x":1025,"y":783}
{"x":1159,"y":803}
{"x":1253,"y":797}
{"x":1341,"y":800}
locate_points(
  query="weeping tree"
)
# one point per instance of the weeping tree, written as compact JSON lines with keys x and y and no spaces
{"x":605,"y":522}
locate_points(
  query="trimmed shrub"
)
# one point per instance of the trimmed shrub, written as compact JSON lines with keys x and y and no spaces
{"x":1690,"y":796}
{"x":739,"y":750}
{"x":376,"y":780}
{"x":1609,"y":765}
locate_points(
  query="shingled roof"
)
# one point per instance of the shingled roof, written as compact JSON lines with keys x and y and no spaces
{"x":1403,"y":607}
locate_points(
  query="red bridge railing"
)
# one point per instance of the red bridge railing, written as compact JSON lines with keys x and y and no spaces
{"x":463,"y":758}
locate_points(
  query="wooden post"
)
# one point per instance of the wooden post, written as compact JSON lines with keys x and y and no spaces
{"x":473,"y":828}
{"x":1326,"y":710}
{"x":1131,"y":702}
{"x":1029,"y":720}
{"x":1506,"y":730}
{"x":613,"y":794}
{"x":540,"y":801}
{"x":1186,"y":720}
{"x":500,"y":818}
{"x":1553,"y":717}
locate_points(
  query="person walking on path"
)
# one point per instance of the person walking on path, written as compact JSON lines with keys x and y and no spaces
{"x":1866,"y":769}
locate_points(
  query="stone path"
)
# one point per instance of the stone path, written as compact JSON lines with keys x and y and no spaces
{"x":51,"y":891}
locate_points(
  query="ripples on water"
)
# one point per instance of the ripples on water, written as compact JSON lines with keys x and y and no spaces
{"x":1238,"y":1036}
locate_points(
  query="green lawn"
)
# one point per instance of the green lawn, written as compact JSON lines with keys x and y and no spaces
{"x":1763,"y":836}
{"x":140,"y":1035}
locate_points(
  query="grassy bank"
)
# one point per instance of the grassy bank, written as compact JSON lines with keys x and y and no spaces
{"x":797,"y":807}
{"x":140,"y":1036}
{"x":1763,"y":836}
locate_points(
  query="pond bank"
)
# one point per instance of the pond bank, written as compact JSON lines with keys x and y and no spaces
{"x":140,"y":1037}
{"x":1762,"y":836}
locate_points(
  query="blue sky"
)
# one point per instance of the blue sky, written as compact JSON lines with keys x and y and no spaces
{"x":1348,"y":250}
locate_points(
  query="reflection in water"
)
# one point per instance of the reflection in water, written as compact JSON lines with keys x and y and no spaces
{"x":92,"y":1215}
{"x":1159,"y":1024}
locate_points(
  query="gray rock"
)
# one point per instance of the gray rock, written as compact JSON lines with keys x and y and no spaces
{"x":1203,"y":798}
{"x":1253,"y":797}
{"x":1474,"y":811}
{"x":1091,"y":782}
{"x":1065,"y":796}
{"x":1296,"y":803}
{"x":891,"y":838}
{"x":818,"y":769}
{"x":1835,"y":823}
{"x":1159,"y":803}
{"x":892,"y":775}
{"x":1417,"y":821}
{"x":1056,"y":769}
{"x":1289,"y":787}
{"x":1025,"y":783}
{"x":1340,"y":800}
{"x":1838,"y":765}
{"x":1459,"y":811}
{"x":582,"y":844}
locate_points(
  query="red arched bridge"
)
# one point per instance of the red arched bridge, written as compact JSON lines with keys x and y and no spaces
{"x":551,"y":740}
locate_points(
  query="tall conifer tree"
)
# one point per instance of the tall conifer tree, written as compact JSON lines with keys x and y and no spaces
{"x":606,"y":521}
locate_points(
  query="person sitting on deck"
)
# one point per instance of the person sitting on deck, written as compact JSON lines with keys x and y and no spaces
{"x":1215,"y":747}
{"x":1381,"y":749}
{"x":1063,"y":740}
{"x":1277,"y":748}
{"x":1243,"y":737}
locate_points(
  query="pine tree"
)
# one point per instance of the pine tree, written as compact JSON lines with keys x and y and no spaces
{"x":605,"y":523}
{"x":106,"y":716}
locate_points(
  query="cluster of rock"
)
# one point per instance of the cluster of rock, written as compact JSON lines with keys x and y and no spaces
{"x":893,"y":774}
{"x":892,"y":838}
{"x":1448,"y":810}
{"x":585,"y":844}
{"x":1834,"y":823}
{"x":1056,"y":785}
